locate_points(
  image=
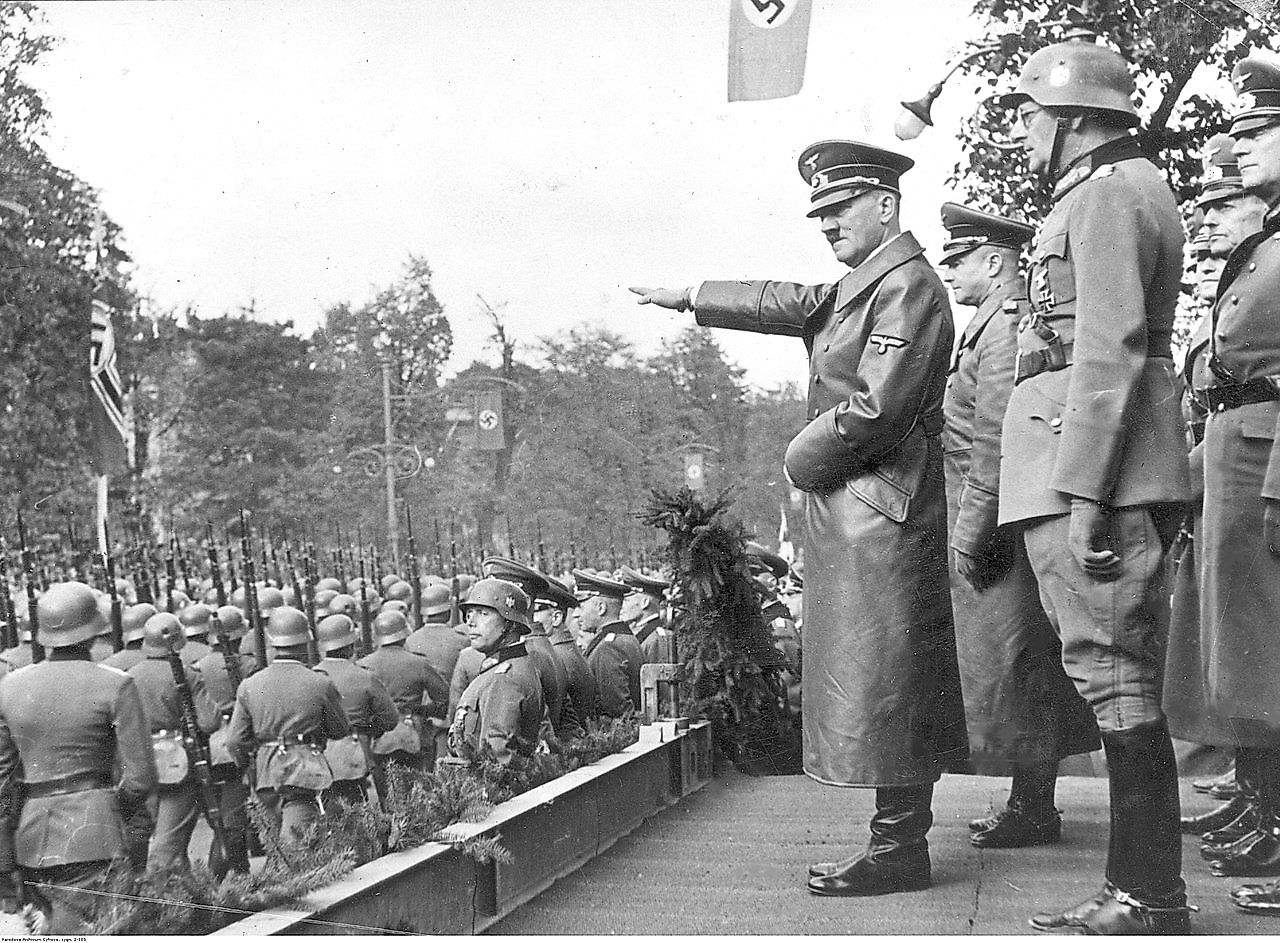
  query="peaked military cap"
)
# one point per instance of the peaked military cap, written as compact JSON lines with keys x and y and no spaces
{"x":590,"y":584}
{"x":1257,"y":82}
{"x":504,"y":568}
{"x":558,"y":595}
{"x":1200,"y":243}
{"x":654,"y":586}
{"x":969,"y":229}
{"x":840,"y":170}
{"x":1221,"y":178}
{"x":761,"y":559}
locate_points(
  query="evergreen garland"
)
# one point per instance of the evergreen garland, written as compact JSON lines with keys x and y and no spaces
{"x":727,"y":649}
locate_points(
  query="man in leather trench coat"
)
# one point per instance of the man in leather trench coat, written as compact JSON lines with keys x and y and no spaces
{"x":882,"y":705}
{"x":1094,"y":466}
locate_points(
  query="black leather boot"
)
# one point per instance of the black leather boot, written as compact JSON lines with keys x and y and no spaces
{"x":1145,"y":893}
{"x":1217,"y":782}
{"x":1258,"y":853}
{"x":1213,"y":820}
{"x":1029,"y":818}
{"x":897,"y":856}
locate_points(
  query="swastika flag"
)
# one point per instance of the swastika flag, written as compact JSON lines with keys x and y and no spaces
{"x":108,"y":393}
{"x":768,"y":40}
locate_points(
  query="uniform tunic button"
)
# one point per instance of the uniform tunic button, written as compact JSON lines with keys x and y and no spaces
{"x":817,"y":380}
{"x":1235,"y":299}
{"x":826,"y":346}
{"x":1252,"y":266}
{"x":1055,"y":422}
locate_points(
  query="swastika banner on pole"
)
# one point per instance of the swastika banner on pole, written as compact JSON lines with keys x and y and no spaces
{"x":768,"y":42}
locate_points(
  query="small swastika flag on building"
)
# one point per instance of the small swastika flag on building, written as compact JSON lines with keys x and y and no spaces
{"x":768,"y":41}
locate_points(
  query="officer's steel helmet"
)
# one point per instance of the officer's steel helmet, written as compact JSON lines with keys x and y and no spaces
{"x":287,"y":626}
{"x":195,"y":620}
{"x":1077,"y":74}
{"x":68,"y":614}
{"x":269,"y":599}
{"x":510,"y":601}
{"x":436,"y":598}
{"x":134,"y":618}
{"x":232,"y":621}
{"x":335,"y":632}
{"x":390,"y":627}
{"x":162,"y":633}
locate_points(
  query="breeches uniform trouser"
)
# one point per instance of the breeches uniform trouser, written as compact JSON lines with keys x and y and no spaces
{"x":293,"y":810}
{"x":176,"y":810}
{"x":1113,"y":643}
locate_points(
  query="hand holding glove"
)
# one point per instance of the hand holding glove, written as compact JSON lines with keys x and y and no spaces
{"x":1089,"y":539}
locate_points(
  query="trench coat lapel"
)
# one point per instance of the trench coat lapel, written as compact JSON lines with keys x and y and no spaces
{"x":900,"y":249}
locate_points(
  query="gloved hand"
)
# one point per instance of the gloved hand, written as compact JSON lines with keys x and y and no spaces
{"x":677,"y":299}
{"x":1271,"y":525}
{"x":1089,"y":540}
{"x":974,"y":571}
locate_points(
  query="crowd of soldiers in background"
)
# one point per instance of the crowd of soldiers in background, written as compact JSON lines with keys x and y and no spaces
{"x":303,"y":684}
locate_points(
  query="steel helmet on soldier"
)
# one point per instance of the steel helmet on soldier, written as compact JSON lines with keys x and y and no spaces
{"x":269,"y":599}
{"x":195,"y":620}
{"x":289,"y":596}
{"x":287,"y":626}
{"x":436,"y":598}
{"x":1077,"y":74}
{"x":323,"y":598}
{"x":387,"y":581}
{"x":329,"y":582}
{"x":68,"y":614}
{"x":335,"y":632}
{"x":399,"y":590}
{"x":507,"y":599}
{"x":134,"y":618}
{"x":239,"y":600}
{"x":232,"y":621}
{"x":395,"y":605}
{"x":161,"y":634}
{"x":344,"y":604}
{"x":390,"y":627}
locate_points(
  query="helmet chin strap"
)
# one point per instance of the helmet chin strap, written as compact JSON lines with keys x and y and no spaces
{"x":1061,"y":124}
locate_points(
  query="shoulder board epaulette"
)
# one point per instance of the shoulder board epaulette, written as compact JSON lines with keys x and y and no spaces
{"x":118,"y":671}
{"x":502,"y":668}
{"x":1103,"y":170}
{"x":610,"y":637}
{"x":1010,"y":305}
{"x":661,"y":631}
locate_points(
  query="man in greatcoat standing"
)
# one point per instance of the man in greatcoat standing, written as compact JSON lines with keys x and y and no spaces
{"x":1023,"y":713}
{"x":1093,"y":464}
{"x":882,"y":705}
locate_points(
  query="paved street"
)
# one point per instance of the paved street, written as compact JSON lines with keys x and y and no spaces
{"x":731,"y":859}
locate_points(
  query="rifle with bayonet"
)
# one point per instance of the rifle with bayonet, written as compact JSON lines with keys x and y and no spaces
{"x":220,"y":591}
{"x":455,"y":610}
{"x":415,"y":571}
{"x":366,"y":626}
{"x":29,"y":574}
{"x":251,"y":594}
{"x":196,"y":743}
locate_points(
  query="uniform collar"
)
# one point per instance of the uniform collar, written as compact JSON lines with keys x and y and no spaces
{"x":617,"y":627}
{"x":1015,"y":290}
{"x":1090,"y":162}
{"x":505,"y":653}
{"x":901,"y":248}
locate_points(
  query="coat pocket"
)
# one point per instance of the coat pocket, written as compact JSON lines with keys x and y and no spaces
{"x":891,"y":484}
{"x":1258,"y":421}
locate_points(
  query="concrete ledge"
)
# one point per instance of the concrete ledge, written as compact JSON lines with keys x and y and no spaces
{"x":550,"y":831}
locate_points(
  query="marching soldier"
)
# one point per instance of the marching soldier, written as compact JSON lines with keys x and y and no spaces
{"x":73,"y":781}
{"x":1022,"y":711}
{"x":132,"y":622}
{"x":1094,"y":468}
{"x":885,"y":709}
{"x":502,"y":708}
{"x":233,"y":792}
{"x":551,"y":610}
{"x":101,"y":648}
{"x":369,"y":708}
{"x":420,"y":695}
{"x":537,"y":644}
{"x":612,"y":652}
{"x":1240,"y":590}
{"x":177,"y":798}
{"x":195,"y":621}
{"x":437,"y":641}
{"x":284,"y":716}
{"x":1231,"y":215}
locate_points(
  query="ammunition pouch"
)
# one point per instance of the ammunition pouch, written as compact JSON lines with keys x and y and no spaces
{"x":173,"y":765}
{"x":402,"y":738}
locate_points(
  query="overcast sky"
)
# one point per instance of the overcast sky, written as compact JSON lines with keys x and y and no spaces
{"x":543,"y":155}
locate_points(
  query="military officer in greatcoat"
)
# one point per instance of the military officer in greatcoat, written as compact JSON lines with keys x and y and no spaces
{"x":178,"y":797}
{"x":1240,"y":591}
{"x":884,"y":708}
{"x":612,"y":651}
{"x":284,"y":717}
{"x":369,"y":708}
{"x":1230,"y":215}
{"x":502,"y":708}
{"x":1094,"y":467}
{"x":74,"y":780}
{"x":551,"y":610}
{"x":1023,"y":713}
